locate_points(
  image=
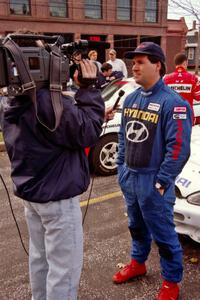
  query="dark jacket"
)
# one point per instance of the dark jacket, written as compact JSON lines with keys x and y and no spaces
{"x":49,"y":166}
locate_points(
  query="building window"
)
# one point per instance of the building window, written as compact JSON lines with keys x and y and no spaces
{"x":93,"y":9}
{"x":124,"y":10}
{"x":58,"y":8}
{"x":151,"y":11}
{"x":19,"y":7}
{"x":191,"y":53}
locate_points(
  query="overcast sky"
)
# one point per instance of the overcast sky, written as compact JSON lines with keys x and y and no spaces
{"x":181,"y":13}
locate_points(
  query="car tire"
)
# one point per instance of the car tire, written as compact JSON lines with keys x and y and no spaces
{"x":103,"y":155}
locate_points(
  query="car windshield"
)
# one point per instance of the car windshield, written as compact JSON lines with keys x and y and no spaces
{"x":113,"y":87}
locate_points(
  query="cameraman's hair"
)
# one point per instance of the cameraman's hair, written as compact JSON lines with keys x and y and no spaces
{"x":179,"y":59}
{"x":106,"y":67}
{"x":154,"y":60}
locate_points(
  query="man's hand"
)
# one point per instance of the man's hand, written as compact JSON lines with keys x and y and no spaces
{"x":109,"y":114}
{"x":87,"y":73}
{"x":159,"y":188}
{"x":161,"y":191}
{"x":89,"y":69}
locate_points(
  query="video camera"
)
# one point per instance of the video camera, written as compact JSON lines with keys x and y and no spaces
{"x":24,"y":68}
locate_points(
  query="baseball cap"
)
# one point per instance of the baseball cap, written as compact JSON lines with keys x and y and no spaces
{"x":147,"y":48}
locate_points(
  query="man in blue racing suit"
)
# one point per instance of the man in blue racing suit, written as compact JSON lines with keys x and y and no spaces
{"x":154,"y":145}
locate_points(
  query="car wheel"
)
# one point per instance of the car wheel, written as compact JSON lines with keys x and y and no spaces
{"x":104,"y":154}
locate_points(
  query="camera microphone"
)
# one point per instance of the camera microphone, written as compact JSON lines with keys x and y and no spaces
{"x":121,"y":93}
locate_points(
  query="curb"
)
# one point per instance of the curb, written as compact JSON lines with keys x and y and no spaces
{"x":2,"y":147}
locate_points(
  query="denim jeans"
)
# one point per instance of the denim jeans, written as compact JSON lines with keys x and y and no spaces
{"x":55,"y":248}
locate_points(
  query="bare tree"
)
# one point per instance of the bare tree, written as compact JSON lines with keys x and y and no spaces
{"x":191,"y":8}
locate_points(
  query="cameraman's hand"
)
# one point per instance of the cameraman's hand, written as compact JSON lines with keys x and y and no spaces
{"x":87,"y":73}
{"x":89,"y":69}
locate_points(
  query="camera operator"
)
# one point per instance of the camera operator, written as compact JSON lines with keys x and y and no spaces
{"x":49,"y":171}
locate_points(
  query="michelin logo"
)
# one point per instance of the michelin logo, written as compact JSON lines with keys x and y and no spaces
{"x":181,"y":88}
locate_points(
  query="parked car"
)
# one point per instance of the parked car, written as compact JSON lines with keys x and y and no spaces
{"x":103,"y":156}
{"x":187,"y":188}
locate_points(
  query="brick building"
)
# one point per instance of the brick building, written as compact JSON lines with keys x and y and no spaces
{"x":192,"y":48}
{"x":123,"y":23}
{"x":175,"y":40}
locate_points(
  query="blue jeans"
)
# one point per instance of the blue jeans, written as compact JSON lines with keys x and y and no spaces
{"x":55,"y":248}
{"x":150,"y":215}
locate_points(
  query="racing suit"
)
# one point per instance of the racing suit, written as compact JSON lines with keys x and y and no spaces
{"x":184,"y":83}
{"x":154,"y":145}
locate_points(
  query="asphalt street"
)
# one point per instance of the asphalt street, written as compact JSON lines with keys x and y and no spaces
{"x":106,"y":245}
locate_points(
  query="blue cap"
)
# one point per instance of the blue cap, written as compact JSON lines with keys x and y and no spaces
{"x":147,"y":48}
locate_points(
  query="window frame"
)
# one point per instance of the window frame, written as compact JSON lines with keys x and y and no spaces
{"x":128,"y":8}
{"x":191,"y":53}
{"x":65,"y":6}
{"x":13,"y":3}
{"x":154,"y":11}
{"x":90,"y":7}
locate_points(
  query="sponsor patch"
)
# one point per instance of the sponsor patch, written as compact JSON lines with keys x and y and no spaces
{"x":179,"y":116}
{"x":180,"y":109}
{"x":181,"y":88}
{"x":153,"y":106}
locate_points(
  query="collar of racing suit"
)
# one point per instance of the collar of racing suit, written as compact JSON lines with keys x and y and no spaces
{"x":153,"y":89}
{"x":180,"y":69}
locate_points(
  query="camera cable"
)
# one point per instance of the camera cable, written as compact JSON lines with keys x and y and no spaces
{"x":13,"y":215}
{"x":92,"y":183}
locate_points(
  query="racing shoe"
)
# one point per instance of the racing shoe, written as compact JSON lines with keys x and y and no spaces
{"x":168,"y":291}
{"x":132,"y":270}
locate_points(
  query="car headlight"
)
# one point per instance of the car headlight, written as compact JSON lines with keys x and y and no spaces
{"x":194,"y":199}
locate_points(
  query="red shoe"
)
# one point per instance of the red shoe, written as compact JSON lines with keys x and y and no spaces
{"x":132,"y":270}
{"x":168,"y":291}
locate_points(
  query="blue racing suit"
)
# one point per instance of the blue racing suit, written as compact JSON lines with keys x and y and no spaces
{"x":154,"y":145}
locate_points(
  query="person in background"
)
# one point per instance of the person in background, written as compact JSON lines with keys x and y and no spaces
{"x":107,"y":75}
{"x":76,"y":58}
{"x":117,"y":63}
{"x":93,"y":56}
{"x":154,"y":145}
{"x":183,"y":82}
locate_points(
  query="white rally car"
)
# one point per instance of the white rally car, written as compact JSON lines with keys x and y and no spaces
{"x":103,"y":157}
{"x":187,"y":187}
